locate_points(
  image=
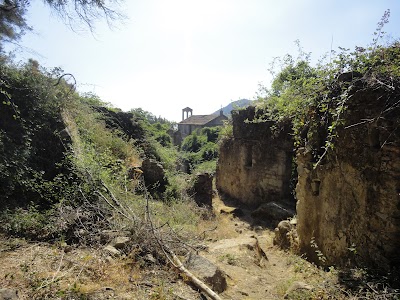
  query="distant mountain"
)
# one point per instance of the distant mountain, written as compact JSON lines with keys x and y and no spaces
{"x":234,"y":105}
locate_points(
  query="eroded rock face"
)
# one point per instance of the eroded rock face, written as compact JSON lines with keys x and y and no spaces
{"x":254,"y":166}
{"x":349,"y":207}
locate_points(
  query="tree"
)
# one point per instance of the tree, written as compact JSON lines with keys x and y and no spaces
{"x":13,"y":22}
{"x":75,"y":11}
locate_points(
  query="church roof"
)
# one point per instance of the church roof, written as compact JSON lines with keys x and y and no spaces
{"x":199,"y":119}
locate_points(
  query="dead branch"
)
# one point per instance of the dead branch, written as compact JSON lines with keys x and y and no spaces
{"x":360,"y":123}
{"x":112,"y":206}
{"x":197,"y":282}
{"x":117,"y":202}
{"x":72,"y":86}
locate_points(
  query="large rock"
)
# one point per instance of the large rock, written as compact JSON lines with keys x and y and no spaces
{"x":285,"y":235}
{"x":272,"y":212}
{"x":207,"y":272}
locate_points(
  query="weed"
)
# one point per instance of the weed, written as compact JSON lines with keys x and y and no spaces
{"x":318,"y":252}
{"x":229,"y":258}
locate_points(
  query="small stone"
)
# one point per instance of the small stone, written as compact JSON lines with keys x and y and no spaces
{"x":120,"y":242}
{"x":111,"y":250}
{"x":8,"y":294}
{"x":237,"y":212}
{"x":108,"y":235}
{"x":68,"y":249}
{"x":297,"y":287}
{"x":149,"y":258}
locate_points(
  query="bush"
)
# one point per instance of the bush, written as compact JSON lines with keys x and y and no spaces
{"x":201,"y":146}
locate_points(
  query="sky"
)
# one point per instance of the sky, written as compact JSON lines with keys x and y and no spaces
{"x":168,"y":55}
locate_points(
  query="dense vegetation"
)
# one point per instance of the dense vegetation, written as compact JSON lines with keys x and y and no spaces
{"x":316,"y":97}
{"x":200,"y":149}
{"x":63,"y":152}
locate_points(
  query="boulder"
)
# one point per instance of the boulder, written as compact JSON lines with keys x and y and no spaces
{"x":206,"y":271}
{"x":282,"y":234}
{"x":272,"y":212}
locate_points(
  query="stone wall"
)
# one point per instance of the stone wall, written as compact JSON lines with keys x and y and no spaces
{"x":254,"y":166}
{"x":348,"y":208}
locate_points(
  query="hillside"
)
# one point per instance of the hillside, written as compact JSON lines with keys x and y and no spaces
{"x":242,"y":103}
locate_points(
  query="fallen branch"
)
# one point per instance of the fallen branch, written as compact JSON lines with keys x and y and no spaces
{"x":197,"y":282}
{"x":175,"y":261}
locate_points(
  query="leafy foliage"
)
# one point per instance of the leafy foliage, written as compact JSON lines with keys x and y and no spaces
{"x":61,"y":153}
{"x":316,"y":97}
{"x":201,"y":147}
{"x":32,"y":152}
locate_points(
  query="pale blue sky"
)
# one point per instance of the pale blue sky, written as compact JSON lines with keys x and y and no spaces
{"x":204,"y":54}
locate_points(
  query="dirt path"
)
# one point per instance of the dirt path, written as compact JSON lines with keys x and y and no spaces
{"x":255,"y":268}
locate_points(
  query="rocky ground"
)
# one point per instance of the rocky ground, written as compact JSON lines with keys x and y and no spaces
{"x":254,"y":267}
{"x":238,"y":260}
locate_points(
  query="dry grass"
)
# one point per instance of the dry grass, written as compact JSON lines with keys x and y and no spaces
{"x":45,"y":271}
